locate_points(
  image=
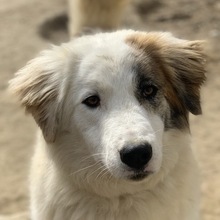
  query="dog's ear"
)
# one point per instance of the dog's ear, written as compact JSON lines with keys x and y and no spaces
{"x":183,"y":65}
{"x":185,"y":70}
{"x":38,"y":86}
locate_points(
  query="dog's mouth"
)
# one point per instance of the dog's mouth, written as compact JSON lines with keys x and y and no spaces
{"x":138,"y":176}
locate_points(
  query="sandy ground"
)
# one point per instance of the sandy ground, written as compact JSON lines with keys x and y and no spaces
{"x":28,"y":26}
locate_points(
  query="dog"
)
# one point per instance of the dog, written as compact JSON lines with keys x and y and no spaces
{"x":89,"y":15}
{"x":113,"y":112}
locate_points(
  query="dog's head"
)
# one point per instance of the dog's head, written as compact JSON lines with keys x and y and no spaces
{"x":110,"y":99}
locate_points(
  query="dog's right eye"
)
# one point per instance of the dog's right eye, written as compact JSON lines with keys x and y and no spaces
{"x":149,"y":91}
{"x":92,"y":101}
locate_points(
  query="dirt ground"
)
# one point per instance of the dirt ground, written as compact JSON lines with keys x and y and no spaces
{"x":28,"y":26}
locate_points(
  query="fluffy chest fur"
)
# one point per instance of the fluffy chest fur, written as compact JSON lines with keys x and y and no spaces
{"x":163,"y":203}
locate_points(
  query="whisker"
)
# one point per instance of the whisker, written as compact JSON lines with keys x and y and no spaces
{"x":158,"y":130}
{"x":87,"y":158}
{"x":101,"y":167}
{"x":102,"y":173}
{"x":84,"y":168}
{"x":92,"y":156}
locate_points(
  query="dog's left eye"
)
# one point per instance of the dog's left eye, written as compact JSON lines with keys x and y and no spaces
{"x":92,"y":101}
{"x":149,"y":91}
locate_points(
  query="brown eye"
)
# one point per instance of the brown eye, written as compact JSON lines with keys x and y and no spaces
{"x":92,"y":101}
{"x":149,"y":91}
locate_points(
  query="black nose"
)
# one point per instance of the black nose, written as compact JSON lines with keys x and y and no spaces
{"x":136,"y":157}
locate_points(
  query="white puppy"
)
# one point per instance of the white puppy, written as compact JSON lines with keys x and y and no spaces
{"x":113,"y":110}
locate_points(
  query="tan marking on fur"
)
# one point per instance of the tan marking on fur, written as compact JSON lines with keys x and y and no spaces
{"x":182,"y":64}
{"x":37,"y":88}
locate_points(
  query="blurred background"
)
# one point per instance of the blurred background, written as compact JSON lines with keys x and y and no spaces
{"x":28,"y":26}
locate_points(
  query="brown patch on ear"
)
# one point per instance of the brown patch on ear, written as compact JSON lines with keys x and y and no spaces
{"x":186,"y":63}
{"x":37,"y":87}
{"x":182,"y":63}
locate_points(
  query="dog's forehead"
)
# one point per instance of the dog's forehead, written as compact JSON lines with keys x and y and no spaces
{"x":109,"y":57}
{"x":110,"y":61}
{"x":106,"y":63}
